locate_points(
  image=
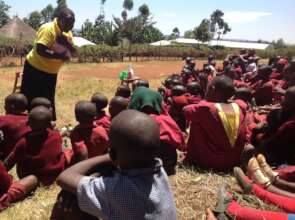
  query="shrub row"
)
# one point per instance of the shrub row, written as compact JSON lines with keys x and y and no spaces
{"x":105,"y":53}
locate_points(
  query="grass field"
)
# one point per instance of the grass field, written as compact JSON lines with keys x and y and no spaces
{"x":194,"y":190}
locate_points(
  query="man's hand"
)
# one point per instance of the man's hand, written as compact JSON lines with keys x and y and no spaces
{"x":65,"y":56}
{"x":44,"y":51}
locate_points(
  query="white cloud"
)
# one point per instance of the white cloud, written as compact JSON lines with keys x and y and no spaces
{"x":244,"y":17}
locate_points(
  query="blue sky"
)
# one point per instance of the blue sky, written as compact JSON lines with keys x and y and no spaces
{"x":249,"y":19}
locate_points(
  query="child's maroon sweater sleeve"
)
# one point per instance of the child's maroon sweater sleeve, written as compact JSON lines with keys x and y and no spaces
{"x":78,"y":143}
{"x":5,"y":179}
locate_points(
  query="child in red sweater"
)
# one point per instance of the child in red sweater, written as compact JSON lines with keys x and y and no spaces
{"x":101,"y":102}
{"x":39,"y":152}
{"x":13,"y":125}
{"x":88,"y":138}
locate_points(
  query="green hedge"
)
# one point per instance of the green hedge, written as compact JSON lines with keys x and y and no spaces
{"x":288,"y":51}
{"x":10,"y":47}
{"x":105,"y":53}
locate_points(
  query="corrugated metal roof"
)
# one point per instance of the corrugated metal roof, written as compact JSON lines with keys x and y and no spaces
{"x":236,"y":44}
{"x":224,"y":43}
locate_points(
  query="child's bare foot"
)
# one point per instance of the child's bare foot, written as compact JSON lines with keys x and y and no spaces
{"x":266,"y":168}
{"x":210,"y":215}
{"x":256,"y":174}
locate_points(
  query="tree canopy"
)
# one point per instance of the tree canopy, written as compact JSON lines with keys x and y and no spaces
{"x":4,"y":9}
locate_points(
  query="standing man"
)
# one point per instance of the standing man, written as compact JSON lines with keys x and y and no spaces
{"x":51,"y":49}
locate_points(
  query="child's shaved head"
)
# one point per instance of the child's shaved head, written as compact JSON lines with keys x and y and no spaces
{"x":100,"y":101}
{"x":123,"y":91}
{"x":40,"y":118}
{"x":176,"y":82}
{"x":244,"y":94}
{"x":16,"y":103}
{"x":220,"y":89}
{"x":143,"y":82}
{"x":41,"y":101}
{"x":140,"y":82}
{"x":130,"y":148}
{"x":117,"y":105}
{"x":194,"y":88}
{"x":85,"y":111}
{"x":178,"y":90}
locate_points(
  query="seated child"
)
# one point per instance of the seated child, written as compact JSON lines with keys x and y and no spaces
{"x":279,"y":147}
{"x":13,"y":125}
{"x":117,"y":105}
{"x":218,"y":128}
{"x":101,"y":102}
{"x":123,"y":91}
{"x":263,"y":87}
{"x":39,"y":151}
{"x":13,"y":191}
{"x":179,"y":99}
{"x":88,"y":138}
{"x":41,"y":101}
{"x":171,"y":137}
{"x":138,"y":189}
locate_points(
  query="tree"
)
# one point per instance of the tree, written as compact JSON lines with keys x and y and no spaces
{"x":175,"y":34}
{"x":189,"y":34}
{"x":87,"y":30}
{"x":60,"y":5}
{"x":279,"y":44}
{"x":124,"y":15}
{"x":149,"y":34}
{"x":4,"y":8}
{"x":217,"y":24}
{"x":202,"y":32}
{"x":47,"y":14}
{"x":34,"y":20}
{"x":104,"y":33}
{"x":144,"y":10}
{"x":132,"y":28}
{"x":128,"y":5}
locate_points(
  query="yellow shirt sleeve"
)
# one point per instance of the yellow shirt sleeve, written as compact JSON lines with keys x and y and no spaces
{"x":45,"y":37}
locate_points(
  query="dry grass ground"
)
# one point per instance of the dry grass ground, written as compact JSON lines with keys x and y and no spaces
{"x":194,"y":190}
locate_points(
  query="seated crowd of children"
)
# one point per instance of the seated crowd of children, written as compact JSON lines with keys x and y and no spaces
{"x":218,"y":118}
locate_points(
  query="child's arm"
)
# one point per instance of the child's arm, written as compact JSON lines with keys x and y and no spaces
{"x":69,"y":179}
{"x":79,"y":147}
{"x":10,"y":161}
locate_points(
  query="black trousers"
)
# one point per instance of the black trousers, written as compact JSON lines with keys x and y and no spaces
{"x":36,"y":83}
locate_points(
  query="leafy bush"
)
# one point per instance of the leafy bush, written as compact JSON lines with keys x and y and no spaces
{"x":10,"y":47}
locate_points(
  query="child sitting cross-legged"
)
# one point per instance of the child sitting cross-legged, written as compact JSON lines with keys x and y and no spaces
{"x":39,"y":151}
{"x":137,"y":189}
{"x":88,"y":138}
